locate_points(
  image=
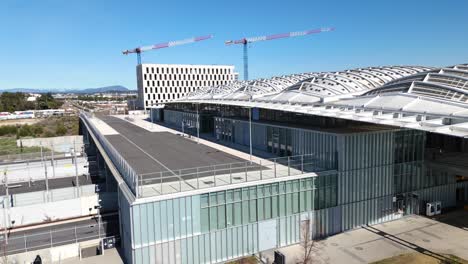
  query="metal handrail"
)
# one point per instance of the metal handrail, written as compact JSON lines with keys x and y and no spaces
{"x":292,"y":165}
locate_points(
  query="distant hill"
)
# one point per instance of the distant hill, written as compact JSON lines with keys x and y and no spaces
{"x":114,"y":88}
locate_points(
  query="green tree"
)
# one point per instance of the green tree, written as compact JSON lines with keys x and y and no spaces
{"x":10,"y":102}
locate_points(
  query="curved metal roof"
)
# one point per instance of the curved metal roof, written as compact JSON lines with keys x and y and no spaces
{"x":422,"y":98}
{"x":449,"y":83}
{"x":343,"y":84}
{"x":307,"y":87}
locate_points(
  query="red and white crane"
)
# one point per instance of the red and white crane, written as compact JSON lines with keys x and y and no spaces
{"x":139,"y":50}
{"x":246,"y":41}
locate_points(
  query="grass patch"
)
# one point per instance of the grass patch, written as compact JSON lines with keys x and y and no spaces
{"x":416,"y":258}
{"x":8,"y":147}
{"x":50,"y":127}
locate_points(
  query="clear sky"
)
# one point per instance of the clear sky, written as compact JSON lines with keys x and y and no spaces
{"x":78,"y":44}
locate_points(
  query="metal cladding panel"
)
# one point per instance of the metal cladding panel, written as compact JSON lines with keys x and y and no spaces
{"x":445,"y":194}
{"x":373,"y":211}
{"x":308,"y":141}
{"x":365,"y":150}
{"x":126,"y":226}
{"x":363,"y":184}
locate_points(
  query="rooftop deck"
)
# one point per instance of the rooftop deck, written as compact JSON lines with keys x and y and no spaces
{"x":161,"y":161}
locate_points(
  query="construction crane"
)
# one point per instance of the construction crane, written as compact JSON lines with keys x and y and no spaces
{"x":246,"y":41}
{"x":139,"y":50}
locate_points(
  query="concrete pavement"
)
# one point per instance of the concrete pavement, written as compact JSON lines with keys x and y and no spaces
{"x":369,"y":244}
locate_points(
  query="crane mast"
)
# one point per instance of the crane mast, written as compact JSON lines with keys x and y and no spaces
{"x":246,"y":41}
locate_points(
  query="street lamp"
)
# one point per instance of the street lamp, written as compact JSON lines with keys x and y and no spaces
{"x":198,"y":126}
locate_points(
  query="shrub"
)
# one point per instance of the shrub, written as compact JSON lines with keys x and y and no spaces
{"x":61,"y":130}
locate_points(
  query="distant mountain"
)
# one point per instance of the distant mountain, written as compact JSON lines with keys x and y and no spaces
{"x":114,"y":88}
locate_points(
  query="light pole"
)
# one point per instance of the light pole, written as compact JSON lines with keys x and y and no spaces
{"x":198,"y":126}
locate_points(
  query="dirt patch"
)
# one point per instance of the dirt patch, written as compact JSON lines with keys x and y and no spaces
{"x":19,"y":122}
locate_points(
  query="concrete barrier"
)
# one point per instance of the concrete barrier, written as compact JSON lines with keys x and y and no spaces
{"x":46,"y":212}
{"x":48,"y":255}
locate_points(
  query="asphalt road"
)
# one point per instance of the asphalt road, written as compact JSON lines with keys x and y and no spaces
{"x":58,"y":235}
{"x":149,"y":152}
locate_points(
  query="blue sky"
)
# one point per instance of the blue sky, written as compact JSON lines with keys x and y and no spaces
{"x":78,"y":44}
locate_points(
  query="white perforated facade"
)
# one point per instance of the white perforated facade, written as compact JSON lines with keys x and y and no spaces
{"x":161,"y":83}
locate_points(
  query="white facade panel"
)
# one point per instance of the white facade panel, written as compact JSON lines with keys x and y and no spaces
{"x":162,"y":83}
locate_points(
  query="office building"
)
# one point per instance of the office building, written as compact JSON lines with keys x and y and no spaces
{"x":162,"y":83}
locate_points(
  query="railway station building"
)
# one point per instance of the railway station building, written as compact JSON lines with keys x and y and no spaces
{"x":329,"y":152}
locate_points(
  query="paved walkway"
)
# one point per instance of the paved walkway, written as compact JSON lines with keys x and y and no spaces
{"x":110,"y":256}
{"x":369,"y":244}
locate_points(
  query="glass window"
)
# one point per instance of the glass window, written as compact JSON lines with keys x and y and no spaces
{"x":253,"y":211}
{"x":267,"y":190}
{"x":274,"y":188}
{"x":267,"y":208}
{"x":261,"y":209}
{"x":204,"y":200}
{"x":245,"y":212}
{"x":237,"y":214}
{"x":253,"y":192}
{"x":282,"y":205}
{"x":221,"y":198}
{"x":260,"y":191}
{"x":245,"y":194}
{"x":221,"y":216}
{"x":289,"y":204}
{"x":213,"y":197}
{"x":213,"y":218}
{"x":229,"y":196}
{"x":274,"y":207}
{"x":295,"y":202}
{"x":229,"y":215}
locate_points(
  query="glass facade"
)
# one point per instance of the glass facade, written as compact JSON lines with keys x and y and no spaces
{"x":204,"y":222}
{"x":262,"y":202}
{"x":378,"y":176}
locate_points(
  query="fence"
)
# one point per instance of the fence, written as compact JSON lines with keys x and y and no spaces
{"x":128,"y":174}
{"x":19,"y":243}
{"x":224,"y":174}
{"x":171,"y":181}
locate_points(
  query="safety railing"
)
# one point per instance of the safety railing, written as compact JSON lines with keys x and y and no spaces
{"x":127,"y":172}
{"x":13,"y":243}
{"x":172,"y":181}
